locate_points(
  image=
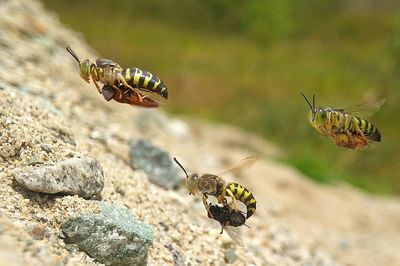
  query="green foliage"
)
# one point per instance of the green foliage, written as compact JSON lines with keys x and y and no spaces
{"x":244,"y":62}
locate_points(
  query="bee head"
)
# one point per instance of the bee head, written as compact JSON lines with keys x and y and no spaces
{"x":191,"y":184}
{"x":191,"y":180}
{"x":313,"y":110}
{"x":84,"y":70}
{"x":84,"y":67}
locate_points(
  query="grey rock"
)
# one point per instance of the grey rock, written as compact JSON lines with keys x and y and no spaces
{"x":156,"y":163}
{"x":35,"y":160}
{"x":230,"y":256}
{"x":113,"y":237}
{"x":46,"y":147}
{"x":75,"y":176}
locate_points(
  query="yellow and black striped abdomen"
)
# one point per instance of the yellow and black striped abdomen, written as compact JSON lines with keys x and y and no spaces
{"x":244,"y":195}
{"x":370,"y":131}
{"x":145,"y":80}
{"x":338,"y":120}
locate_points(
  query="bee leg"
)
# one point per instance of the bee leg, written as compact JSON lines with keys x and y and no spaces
{"x":234,"y":203}
{"x":361,"y":133}
{"x":119,"y":91}
{"x":97,"y":85}
{"x":360,"y":142}
{"x":222,"y":230}
{"x":207,"y":206}
{"x":205,"y":203}
{"x":121,"y":79}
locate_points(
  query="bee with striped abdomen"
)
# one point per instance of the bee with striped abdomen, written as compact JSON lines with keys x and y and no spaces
{"x":229,"y":220}
{"x":107,"y":72}
{"x":347,"y":129}
{"x":214,"y":185}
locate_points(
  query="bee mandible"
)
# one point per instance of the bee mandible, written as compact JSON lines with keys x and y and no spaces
{"x":214,"y":185}
{"x":347,"y":129}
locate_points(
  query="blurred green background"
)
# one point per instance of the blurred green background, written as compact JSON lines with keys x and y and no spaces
{"x":244,"y":62}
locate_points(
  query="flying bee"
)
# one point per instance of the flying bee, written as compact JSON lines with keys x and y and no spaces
{"x":127,"y":96}
{"x":214,"y":185}
{"x":347,"y":129}
{"x":229,"y":220}
{"x":110,"y":73}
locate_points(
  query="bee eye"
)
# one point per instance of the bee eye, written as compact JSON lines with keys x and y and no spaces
{"x":322,"y":114}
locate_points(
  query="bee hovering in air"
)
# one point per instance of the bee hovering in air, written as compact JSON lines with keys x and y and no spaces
{"x":347,"y":129}
{"x":214,"y":185}
{"x":229,"y":219}
{"x":107,"y":72}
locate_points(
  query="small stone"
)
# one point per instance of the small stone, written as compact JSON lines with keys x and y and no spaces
{"x":120,"y":190}
{"x":75,"y":176}
{"x":34,"y":160}
{"x":8,"y":121}
{"x":46,"y":147}
{"x":230,"y":256}
{"x":41,"y":217}
{"x":38,"y":232}
{"x":179,"y":260}
{"x":11,"y":208}
{"x":68,"y":139}
{"x":113,"y":237}
{"x":156,"y":163}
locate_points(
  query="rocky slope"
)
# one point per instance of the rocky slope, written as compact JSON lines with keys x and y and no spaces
{"x":54,"y":124}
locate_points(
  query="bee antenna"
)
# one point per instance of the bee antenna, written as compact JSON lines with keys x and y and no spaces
{"x":72,"y":53}
{"x":313,"y":101}
{"x":247,"y":225}
{"x":311,"y":106}
{"x":187,"y":176}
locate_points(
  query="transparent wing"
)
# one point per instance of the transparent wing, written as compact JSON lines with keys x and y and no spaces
{"x":365,"y":109}
{"x":154,"y":96}
{"x":243,"y":164}
{"x":235,"y":235}
{"x":104,"y":62}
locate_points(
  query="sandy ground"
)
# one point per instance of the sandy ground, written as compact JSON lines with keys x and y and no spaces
{"x":298,"y":222}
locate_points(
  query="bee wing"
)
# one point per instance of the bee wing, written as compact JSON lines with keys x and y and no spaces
{"x":154,"y":96}
{"x":235,"y":235}
{"x":104,"y":62}
{"x":243,"y":164}
{"x":365,"y":109}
